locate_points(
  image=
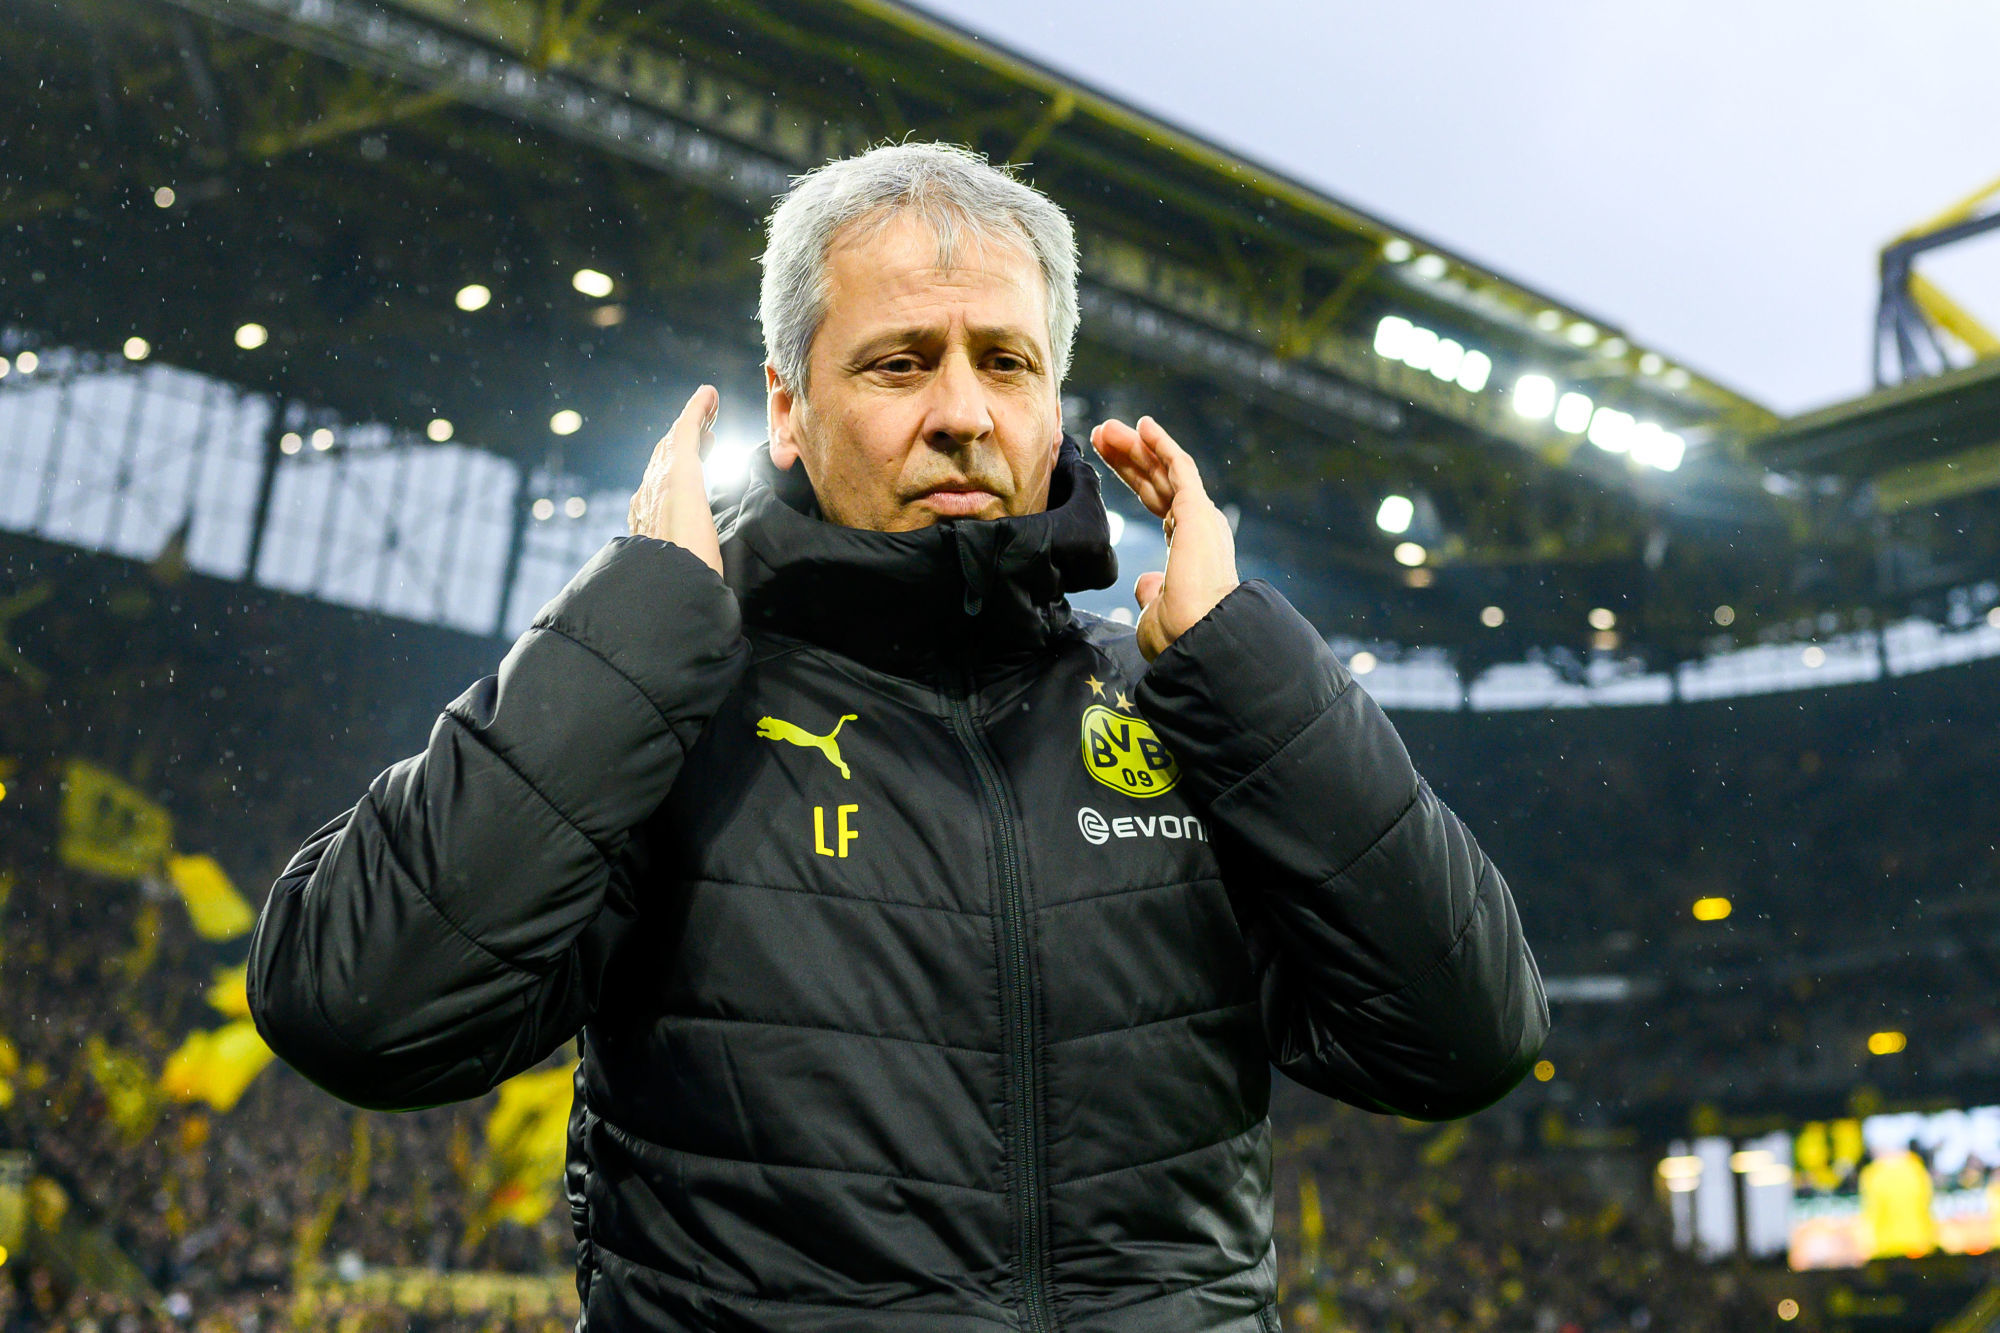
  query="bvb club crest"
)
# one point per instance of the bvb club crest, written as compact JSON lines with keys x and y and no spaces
{"x":1122,"y":752}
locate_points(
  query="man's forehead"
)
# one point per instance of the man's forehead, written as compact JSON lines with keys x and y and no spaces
{"x":883,"y":284}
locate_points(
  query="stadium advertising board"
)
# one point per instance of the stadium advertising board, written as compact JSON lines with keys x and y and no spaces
{"x":1838,"y":1193}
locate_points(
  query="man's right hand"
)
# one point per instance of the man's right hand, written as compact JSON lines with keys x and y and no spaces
{"x":672,"y":500}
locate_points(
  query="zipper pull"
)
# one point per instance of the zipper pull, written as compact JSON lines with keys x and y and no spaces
{"x":969,"y":570}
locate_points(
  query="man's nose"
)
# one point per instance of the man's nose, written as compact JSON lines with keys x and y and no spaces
{"x":959,"y":414}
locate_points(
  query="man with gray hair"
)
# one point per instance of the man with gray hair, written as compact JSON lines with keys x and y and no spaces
{"x":929,"y":943}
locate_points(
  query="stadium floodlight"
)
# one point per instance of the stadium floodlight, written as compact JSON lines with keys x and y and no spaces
{"x":1116,"y":521}
{"x":544,"y":509}
{"x":1814,"y":656}
{"x":1420,"y":348}
{"x":566,"y":422}
{"x":1581,"y":333}
{"x":576,"y":506}
{"x":1534,"y":396}
{"x":1602,"y":618}
{"x":1391,"y":336}
{"x":26,"y":363}
{"x":1750,"y":1159}
{"x":1573,"y":413}
{"x":4,"y":367}
{"x":137,"y":349}
{"x":322,"y":440}
{"x":592,"y":283}
{"x":473,"y":296}
{"x":1549,"y":321}
{"x":728,"y":462}
{"x":1446,"y":360}
{"x":1993,"y":617}
{"x":163,"y":197}
{"x":1474,"y":370}
{"x":291,"y":442}
{"x":1410,"y":553}
{"x":1711,"y":909}
{"x":1361,"y":663}
{"x":438,"y":431}
{"x":1651,"y":363}
{"x":1725,"y":615}
{"x":1397,"y":250}
{"x":1393,"y":515}
{"x":1887,"y":1043}
{"x":1430,"y":267}
{"x":1611,"y":430}
{"x":1493,"y":617}
{"x":252,"y":336}
{"x":1657,"y":447}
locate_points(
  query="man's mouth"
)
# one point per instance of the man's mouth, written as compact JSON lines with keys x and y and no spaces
{"x":956,"y":499}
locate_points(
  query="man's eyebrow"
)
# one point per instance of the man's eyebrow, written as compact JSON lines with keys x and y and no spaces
{"x":981,"y":334}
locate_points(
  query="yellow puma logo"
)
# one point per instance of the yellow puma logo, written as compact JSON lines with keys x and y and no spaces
{"x":777,"y":729}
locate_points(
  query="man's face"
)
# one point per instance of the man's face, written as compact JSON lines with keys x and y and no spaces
{"x":932,"y":392}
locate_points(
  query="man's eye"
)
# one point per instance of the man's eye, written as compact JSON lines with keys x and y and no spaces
{"x":898,"y":365}
{"x":1008,"y":364}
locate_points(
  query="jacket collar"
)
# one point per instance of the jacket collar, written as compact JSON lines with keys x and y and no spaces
{"x":963,"y":597}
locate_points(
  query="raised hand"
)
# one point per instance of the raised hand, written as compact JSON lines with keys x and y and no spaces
{"x":672,"y":501}
{"x":1201,"y":550}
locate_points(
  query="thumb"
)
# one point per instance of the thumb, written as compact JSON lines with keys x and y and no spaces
{"x":1148,"y":587}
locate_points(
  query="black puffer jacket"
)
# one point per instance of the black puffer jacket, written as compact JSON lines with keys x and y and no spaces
{"x":931,"y":951}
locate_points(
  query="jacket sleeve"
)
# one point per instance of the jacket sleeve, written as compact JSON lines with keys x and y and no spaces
{"x":453,"y":927}
{"x":1392,"y":969}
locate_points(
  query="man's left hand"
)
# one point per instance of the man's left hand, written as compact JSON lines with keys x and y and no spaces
{"x":1201,"y":550}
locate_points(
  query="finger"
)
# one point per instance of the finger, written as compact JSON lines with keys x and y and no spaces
{"x":1148,"y":587}
{"x":1136,"y":465}
{"x":687,"y":427}
{"x":1179,"y":464}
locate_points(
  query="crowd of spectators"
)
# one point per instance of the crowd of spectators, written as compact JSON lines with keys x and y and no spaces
{"x":1838,"y":825}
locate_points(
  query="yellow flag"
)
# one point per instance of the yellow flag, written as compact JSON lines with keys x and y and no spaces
{"x":128,"y":1090}
{"x":230,"y":995}
{"x":108,"y":826}
{"x":215,"y":1067}
{"x":217,"y":909}
{"x":527,"y":1136}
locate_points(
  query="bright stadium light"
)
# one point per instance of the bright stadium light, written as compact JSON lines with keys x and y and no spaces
{"x":137,"y":349}
{"x":1361,"y":663}
{"x":1397,"y":250}
{"x":1549,"y":321}
{"x":566,"y":422}
{"x":576,"y":506}
{"x":473,"y":296}
{"x":322,"y":440}
{"x":1573,"y":413}
{"x":544,"y":509}
{"x":592,"y":283}
{"x":1887,"y":1043}
{"x":1393,"y":515}
{"x":291,"y":442}
{"x":1474,"y":371}
{"x":1814,"y":656}
{"x":1602,"y":618}
{"x":26,"y":363}
{"x":1446,"y":360}
{"x":1611,"y":430}
{"x":252,"y":336}
{"x":1581,"y":334}
{"x":1419,"y":348}
{"x":163,"y":197}
{"x":1657,"y":447}
{"x":1712,"y":909}
{"x":728,"y":462}
{"x":1725,"y":615}
{"x":438,"y":431}
{"x":1534,"y":396}
{"x":1391,"y":336}
{"x":1493,"y":617}
{"x":1430,"y":267}
{"x":1410,"y":553}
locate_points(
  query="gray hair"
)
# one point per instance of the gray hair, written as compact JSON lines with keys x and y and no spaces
{"x":956,"y":191}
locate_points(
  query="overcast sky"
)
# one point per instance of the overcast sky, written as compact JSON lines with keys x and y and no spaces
{"x":1713,"y":176}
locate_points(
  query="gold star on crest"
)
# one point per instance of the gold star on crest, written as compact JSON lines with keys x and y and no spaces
{"x":1123,"y":702}
{"x":1096,"y":686}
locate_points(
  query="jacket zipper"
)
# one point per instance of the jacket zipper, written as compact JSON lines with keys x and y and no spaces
{"x":1018,"y":1012}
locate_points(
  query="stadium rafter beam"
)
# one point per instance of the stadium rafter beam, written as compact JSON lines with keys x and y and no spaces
{"x":414,"y":50}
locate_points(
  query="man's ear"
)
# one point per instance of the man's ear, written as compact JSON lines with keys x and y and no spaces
{"x":781,"y":419}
